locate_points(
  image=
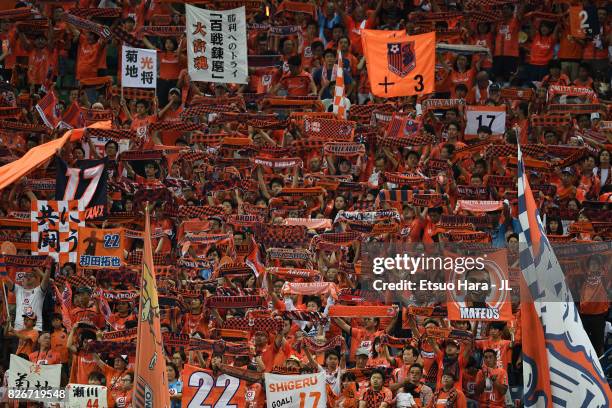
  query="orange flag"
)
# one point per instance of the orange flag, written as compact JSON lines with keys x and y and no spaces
{"x":399,"y":64}
{"x":150,"y":372}
{"x":38,"y":155}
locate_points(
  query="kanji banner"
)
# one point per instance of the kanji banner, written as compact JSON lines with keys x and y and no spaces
{"x":398,"y":64}
{"x":296,"y":391}
{"x":481,"y":293}
{"x":55,"y":228}
{"x":100,"y":248}
{"x":86,"y":183}
{"x":203,"y":388}
{"x":89,"y":396}
{"x":139,"y":68}
{"x":217,"y":46}
{"x":493,"y":117}
{"x":28,"y":380}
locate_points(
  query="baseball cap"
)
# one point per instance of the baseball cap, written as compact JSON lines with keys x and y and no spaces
{"x":293,"y":357}
{"x":568,"y":170}
{"x":30,"y":315}
{"x":83,"y":289}
{"x":362,"y":351}
{"x":494,"y":88}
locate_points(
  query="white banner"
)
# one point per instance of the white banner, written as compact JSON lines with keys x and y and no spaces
{"x":139,"y":68}
{"x":34,"y":382}
{"x":493,"y":117}
{"x":296,"y":391}
{"x":85,"y":396}
{"x":217,"y":45}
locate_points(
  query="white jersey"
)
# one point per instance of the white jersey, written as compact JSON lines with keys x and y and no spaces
{"x":26,"y":301}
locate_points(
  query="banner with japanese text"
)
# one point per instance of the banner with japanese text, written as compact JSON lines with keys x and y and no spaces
{"x":55,"y":228}
{"x":217,"y":45}
{"x":139,"y":68}
{"x":34,"y":382}
{"x":296,"y":391}
{"x":85,"y":396}
{"x":101,"y":248}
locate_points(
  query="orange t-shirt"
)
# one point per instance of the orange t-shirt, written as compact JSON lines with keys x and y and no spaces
{"x":273,"y":356}
{"x":360,"y":337}
{"x":39,"y":64}
{"x":569,"y":48}
{"x":440,"y":402}
{"x":59,"y":339}
{"x":121,"y":399}
{"x":88,"y":58}
{"x":506,"y":39}
{"x":255,"y":396}
{"x":501,"y":347}
{"x":542,"y":49}
{"x":298,"y":85}
{"x":27,"y":345}
{"x":48,"y":357}
{"x":484,"y":40}
{"x":83,"y":365}
{"x":491,"y":397}
{"x":169,"y":65}
{"x":466,"y":78}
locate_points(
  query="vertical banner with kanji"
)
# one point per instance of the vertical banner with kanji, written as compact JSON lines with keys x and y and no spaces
{"x":55,"y":228}
{"x":139,"y":68}
{"x":88,"y":396}
{"x":27,"y":380}
{"x":217,"y":46}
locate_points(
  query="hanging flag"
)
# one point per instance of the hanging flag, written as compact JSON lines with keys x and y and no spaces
{"x":47,"y":109}
{"x":339,"y":99}
{"x":55,"y":229}
{"x":217,"y":45}
{"x":86,"y":183}
{"x":72,"y":117}
{"x":560,"y":366}
{"x":399,"y":64}
{"x":139,"y":68}
{"x":150,"y":374}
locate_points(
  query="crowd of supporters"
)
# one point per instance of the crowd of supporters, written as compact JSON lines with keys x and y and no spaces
{"x":244,"y":190}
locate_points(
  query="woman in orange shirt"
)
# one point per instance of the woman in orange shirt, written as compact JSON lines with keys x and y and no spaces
{"x":448,"y":395}
{"x":542,"y":44}
{"x":462,"y":73}
{"x":171,"y":60}
{"x":484,"y":38}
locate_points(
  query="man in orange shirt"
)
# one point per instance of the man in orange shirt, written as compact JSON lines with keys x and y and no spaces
{"x":28,"y":336}
{"x":448,"y":395}
{"x":491,"y":382}
{"x":506,"y":55}
{"x":361,"y":337}
{"x":495,"y":342}
{"x":296,"y":82}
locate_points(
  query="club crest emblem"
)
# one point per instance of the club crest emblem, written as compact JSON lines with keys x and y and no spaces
{"x":401,"y":58}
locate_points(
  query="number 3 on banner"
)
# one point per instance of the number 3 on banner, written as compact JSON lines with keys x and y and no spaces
{"x":419,"y":86}
{"x":315,"y":395}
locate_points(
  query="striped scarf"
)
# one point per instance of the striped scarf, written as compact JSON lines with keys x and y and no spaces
{"x":87,"y":25}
